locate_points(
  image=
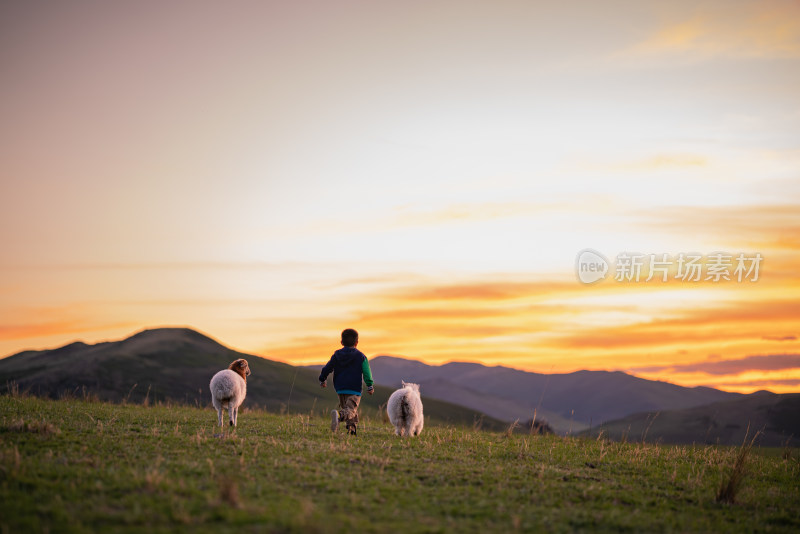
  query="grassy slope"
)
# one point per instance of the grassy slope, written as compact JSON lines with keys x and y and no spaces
{"x":72,"y":465}
{"x":777,"y":417}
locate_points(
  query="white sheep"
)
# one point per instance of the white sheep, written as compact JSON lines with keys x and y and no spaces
{"x":229,"y":388}
{"x":405,"y":410}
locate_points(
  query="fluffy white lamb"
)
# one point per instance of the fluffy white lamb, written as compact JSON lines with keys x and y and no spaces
{"x":405,"y":410}
{"x":228,"y":389}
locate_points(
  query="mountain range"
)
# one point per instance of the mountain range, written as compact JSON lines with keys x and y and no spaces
{"x":176,"y":364}
{"x":569,"y":402}
{"x":619,"y":405}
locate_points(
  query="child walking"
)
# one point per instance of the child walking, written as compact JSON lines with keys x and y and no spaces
{"x":348,"y":365}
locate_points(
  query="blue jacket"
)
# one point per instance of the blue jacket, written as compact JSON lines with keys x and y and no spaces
{"x":348,"y":365}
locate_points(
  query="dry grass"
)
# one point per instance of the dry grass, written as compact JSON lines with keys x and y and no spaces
{"x":229,"y":491}
{"x":510,"y":430}
{"x":731,"y":484}
{"x":12,"y":390}
{"x":34,"y":427}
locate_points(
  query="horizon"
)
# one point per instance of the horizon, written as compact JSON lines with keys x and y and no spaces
{"x":370,"y":356}
{"x":537,"y":186}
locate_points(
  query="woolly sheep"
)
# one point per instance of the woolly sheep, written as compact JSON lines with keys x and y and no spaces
{"x":228,"y":389}
{"x":405,"y":410}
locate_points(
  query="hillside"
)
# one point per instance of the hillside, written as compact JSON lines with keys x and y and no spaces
{"x":570,"y":401}
{"x":776,"y":416}
{"x":176,"y":364}
{"x":75,"y":466}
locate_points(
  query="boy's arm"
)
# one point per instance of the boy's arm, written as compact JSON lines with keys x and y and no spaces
{"x":367,"y":372}
{"x":323,"y":375}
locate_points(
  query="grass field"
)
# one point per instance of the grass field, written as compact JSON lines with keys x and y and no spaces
{"x":78,"y":466}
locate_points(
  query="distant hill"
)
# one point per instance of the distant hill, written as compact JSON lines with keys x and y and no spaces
{"x":176,"y":364}
{"x":567,"y":401}
{"x":776,"y":416}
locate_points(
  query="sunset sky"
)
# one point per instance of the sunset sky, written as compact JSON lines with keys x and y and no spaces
{"x":270,"y":173}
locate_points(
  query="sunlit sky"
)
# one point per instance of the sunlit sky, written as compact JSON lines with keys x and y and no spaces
{"x":270,"y":173}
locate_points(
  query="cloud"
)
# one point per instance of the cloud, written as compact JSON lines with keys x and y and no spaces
{"x":302,"y":349}
{"x":655,"y":162}
{"x":24,"y":331}
{"x":770,"y":362}
{"x":419,"y":216}
{"x":453,"y":321}
{"x":369,"y":280}
{"x":763,"y":383}
{"x":779,"y":338}
{"x":467,"y":212}
{"x":415,"y":314}
{"x":63,"y":328}
{"x":767,"y":226}
{"x":736,"y":321}
{"x":769,"y":29}
{"x":169,"y":266}
{"x":487,"y":291}
{"x":538,"y":322}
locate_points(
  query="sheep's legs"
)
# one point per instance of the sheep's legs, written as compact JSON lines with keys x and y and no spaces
{"x":218,"y":406}
{"x":233,"y":412}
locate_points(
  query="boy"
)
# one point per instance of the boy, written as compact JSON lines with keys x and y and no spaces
{"x":348,"y":365}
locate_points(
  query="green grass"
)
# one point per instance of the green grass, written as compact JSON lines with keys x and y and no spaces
{"x":76,"y":466}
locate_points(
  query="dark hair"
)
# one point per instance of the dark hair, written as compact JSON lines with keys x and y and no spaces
{"x":349,"y":337}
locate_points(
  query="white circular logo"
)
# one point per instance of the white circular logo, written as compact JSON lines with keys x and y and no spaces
{"x":590,"y":266}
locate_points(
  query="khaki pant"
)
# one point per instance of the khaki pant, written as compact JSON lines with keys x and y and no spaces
{"x":348,"y":409}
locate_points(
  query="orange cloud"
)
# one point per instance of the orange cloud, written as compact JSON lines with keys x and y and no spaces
{"x":770,"y":362}
{"x":485,"y":291}
{"x":768,"y":29}
{"x":537,"y":325}
{"x":767,"y":382}
{"x":743,"y":320}
{"x":764,"y":226}
{"x":779,"y":338}
{"x":24,"y":331}
{"x":56,"y":328}
{"x":416,"y":314}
